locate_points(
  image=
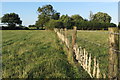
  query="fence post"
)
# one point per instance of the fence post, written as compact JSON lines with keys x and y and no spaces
{"x":94,"y":68}
{"x":74,"y":36}
{"x":113,"y":71}
{"x":89,"y":65}
{"x":65,"y":29}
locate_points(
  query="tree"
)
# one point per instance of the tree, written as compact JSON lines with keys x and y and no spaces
{"x":11,"y":19}
{"x":42,"y":20}
{"x":55,"y":16}
{"x":67,"y":21}
{"x":54,"y":24}
{"x":76,"y":17}
{"x":102,"y":17}
{"x":45,"y":14}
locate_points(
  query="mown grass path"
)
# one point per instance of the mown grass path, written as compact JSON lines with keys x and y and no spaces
{"x":36,"y":54}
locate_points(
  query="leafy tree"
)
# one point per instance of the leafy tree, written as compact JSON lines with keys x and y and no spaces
{"x":11,"y":19}
{"x":45,"y":14}
{"x":54,"y":24}
{"x":42,"y":20}
{"x":76,"y":17}
{"x":102,"y":17}
{"x":67,"y":21}
{"x":55,"y":16}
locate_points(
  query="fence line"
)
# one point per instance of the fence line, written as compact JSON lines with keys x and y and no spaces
{"x":83,"y":57}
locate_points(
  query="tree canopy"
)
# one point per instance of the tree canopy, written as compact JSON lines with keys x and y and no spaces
{"x":54,"y":24}
{"x":45,"y":14}
{"x":11,"y":19}
{"x":67,"y":21}
{"x":76,"y":17}
{"x":101,"y":17}
{"x":48,"y":16}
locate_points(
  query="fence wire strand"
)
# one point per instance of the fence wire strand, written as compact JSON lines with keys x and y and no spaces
{"x":97,"y":44}
{"x":114,"y":33}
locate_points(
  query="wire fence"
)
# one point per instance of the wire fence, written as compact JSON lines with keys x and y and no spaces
{"x":98,"y":44}
{"x":82,"y":52}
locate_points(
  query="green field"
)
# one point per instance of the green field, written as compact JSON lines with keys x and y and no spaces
{"x":36,"y":54}
{"x":96,"y":43}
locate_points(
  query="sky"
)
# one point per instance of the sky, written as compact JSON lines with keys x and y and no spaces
{"x":59,"y":0}
{"x":119,"y":12}
{"x":28,"y":10}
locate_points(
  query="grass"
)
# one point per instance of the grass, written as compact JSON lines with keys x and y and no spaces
{"x":100,"y":52}
{"x":36,"y":54}
{"x":90,"y":40}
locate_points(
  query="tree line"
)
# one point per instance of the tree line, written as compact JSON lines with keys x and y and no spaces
{"x":48,"y":18}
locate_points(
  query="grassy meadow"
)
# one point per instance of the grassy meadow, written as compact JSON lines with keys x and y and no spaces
{"x":96,"y":43}
{"x":36,"y":54}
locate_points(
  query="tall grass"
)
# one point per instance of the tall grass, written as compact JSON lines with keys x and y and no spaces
{"x":36,"y":54}
{"x":96,"y":43}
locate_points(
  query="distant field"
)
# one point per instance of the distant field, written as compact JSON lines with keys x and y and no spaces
{"x":35,"y":54}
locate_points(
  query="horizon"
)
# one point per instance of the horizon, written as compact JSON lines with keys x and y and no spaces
{"x":28,"y":10}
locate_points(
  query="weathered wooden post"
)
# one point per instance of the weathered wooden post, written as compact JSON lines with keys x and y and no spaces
{"x":89,"y":66}
{"x":94,"y":68}
{"x":98,"y":71}
{"x":114,"y":56}
{"x":74,"y":36}
{"x":65,"y":29}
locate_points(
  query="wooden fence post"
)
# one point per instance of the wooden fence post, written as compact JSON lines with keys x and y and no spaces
{"x":74,"y":36}
{"x":94,"y":68}
{"x":65,"y":29}
{"x":114,"y":57}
